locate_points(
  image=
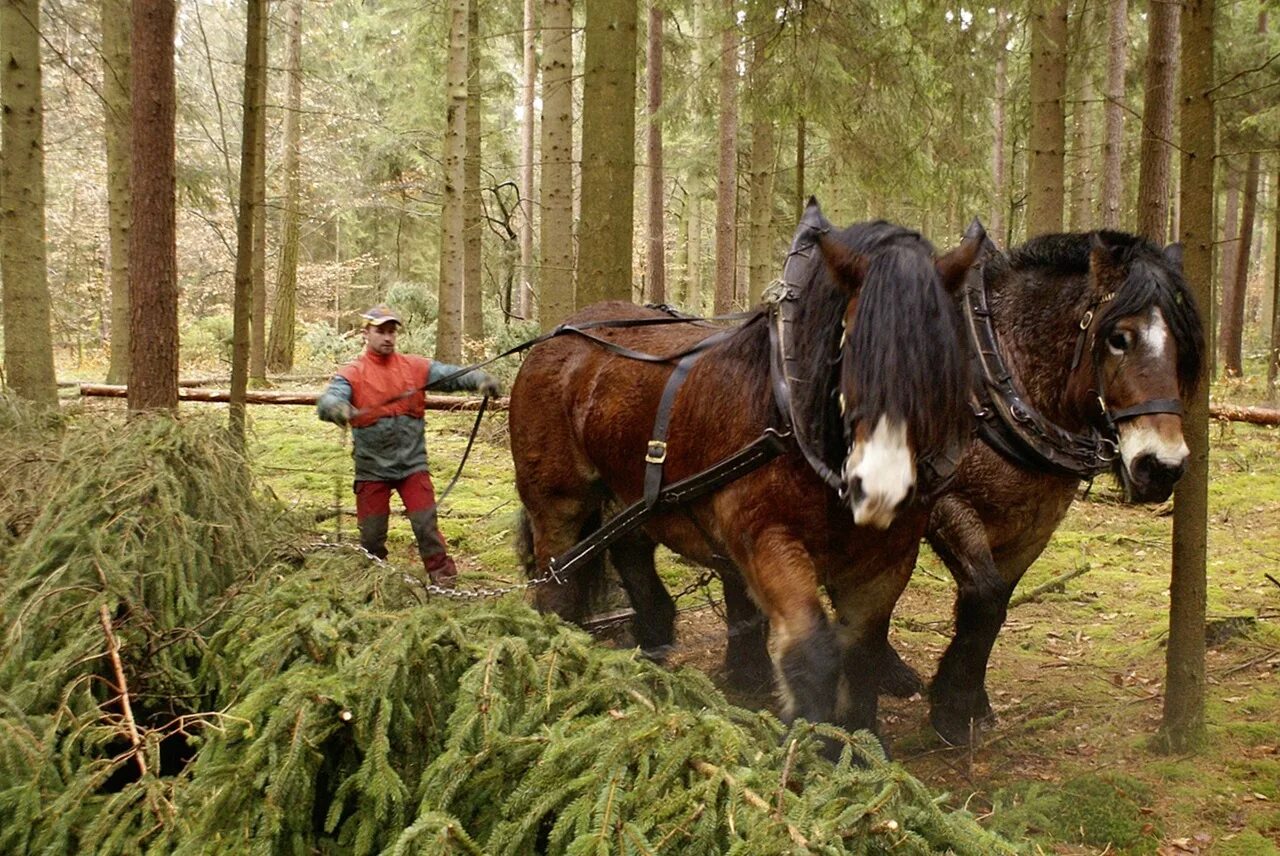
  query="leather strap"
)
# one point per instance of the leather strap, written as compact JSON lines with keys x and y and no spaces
{"x":1155,"y":405}
{"x":656,"y":452}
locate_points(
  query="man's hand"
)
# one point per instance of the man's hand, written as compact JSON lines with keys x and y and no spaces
{"x":340,"y":413}
{"x":490,"y":386}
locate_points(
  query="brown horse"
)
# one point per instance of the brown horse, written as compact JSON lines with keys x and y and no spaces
{"x":1086,"y":343}
{"x":1102,"y":339}
{"x":872,"y":358}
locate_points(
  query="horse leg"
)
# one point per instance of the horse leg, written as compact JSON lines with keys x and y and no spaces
{"x":958,"y":695}
{"x":806,"y":654}
{"x":654,"y":624}
{"x":746,"y":654}
{"x":555,"y":526}
{"x":896,"y":677}
{"x":864,"y":609}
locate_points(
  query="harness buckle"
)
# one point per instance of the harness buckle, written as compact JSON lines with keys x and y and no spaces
{"x":1086,"y":320}
{"x":1108,"y":449}
{"x":657,"y":452}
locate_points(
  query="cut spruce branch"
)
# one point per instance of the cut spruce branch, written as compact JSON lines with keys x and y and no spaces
{"x":122,"y":686}
{"x":264,"y":396}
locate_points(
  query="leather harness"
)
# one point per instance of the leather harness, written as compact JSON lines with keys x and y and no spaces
{"x":1013,"y":427}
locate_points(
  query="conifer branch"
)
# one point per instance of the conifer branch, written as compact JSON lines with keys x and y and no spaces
{"x":752,"y":798}
{"x":122,"y":686}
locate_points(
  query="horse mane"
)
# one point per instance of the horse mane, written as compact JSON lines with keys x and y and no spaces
{"x":1152,"y":279}
{"x":897,"y":311}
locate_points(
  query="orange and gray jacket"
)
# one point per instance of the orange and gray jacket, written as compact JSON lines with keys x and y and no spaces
{"x":387,"y":430}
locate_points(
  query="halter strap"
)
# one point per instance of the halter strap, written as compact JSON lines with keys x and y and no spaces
{"x":1155,"y":405}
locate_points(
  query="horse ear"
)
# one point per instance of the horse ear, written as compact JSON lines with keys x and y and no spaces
{"x":848,"y":267}
{"x":953,"y":266}
{"x":1173,"y":253}
{"x":1103,"y":270}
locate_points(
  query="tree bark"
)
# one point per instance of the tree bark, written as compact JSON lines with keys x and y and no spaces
{"x":727,"y":172}
{"x":760,"y":217}
{"x":605,"y":229}
{"x":116,"y":75}
{"x":473,"y":225}
{"x":524,"y":306}
{"x":656,"y":257}
{"x":1183,"y":727}
{"x":452,"y":266}
{"x":1231,"y":326}
{"x":242,"y":301}
{"x":153,"y":267}
{"x":999,"y":121}
{"x":1045,"y":189}
{"x":1157,"y":120}
{"x":1273,"y":353}
{"x":800,"y":197}
{"x":693,"y":267}
{"x":28,"y":343}
{"x":258,"y":307}
{"x":1113,"y":148}
{"x":284,"y":314}
{"x":555,"y":296}
{"x":1082,"y":153}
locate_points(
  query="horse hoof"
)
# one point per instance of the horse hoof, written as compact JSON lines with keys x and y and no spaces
{"x":657,"y":653}
{"x":900,"y":680}
{"x":958,"y":729}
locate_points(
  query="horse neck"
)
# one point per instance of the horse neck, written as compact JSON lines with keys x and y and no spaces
{"x":1038,"y":346}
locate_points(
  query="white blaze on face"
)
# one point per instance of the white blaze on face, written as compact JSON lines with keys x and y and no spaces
{"x":881,"y":471}
{"x":1137,"y":436}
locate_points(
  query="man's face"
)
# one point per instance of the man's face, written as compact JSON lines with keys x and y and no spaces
{"x":381,"y":339}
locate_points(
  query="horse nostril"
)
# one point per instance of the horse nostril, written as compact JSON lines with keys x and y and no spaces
{"x":856,"y":493}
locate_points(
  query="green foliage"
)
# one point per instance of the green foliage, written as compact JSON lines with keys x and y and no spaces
{"x":207,"y":341}
{"x":306,"y":701}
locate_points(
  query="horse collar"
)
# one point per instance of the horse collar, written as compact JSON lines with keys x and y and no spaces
{"x":1006,"y":421}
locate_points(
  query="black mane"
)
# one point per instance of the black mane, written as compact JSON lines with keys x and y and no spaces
{"x":908,"y":358}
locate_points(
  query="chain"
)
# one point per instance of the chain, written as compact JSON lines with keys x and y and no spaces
{"x":477,"y":593}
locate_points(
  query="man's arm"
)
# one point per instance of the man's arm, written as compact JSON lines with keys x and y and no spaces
{"x":475,"y":379}
{"x":335,"y":404}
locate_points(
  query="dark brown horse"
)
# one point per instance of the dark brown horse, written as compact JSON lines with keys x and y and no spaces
{"x":1102,"y":340}
{"x":874,"y":364}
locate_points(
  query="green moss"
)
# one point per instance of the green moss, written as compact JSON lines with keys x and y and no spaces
{"x":1106,"y":809}
{"x":1246,"y":843}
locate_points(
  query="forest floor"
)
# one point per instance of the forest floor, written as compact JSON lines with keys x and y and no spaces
{"x":1076,"y":676}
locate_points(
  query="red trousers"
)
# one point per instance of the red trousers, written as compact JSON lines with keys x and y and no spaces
{"x":373,"y":508}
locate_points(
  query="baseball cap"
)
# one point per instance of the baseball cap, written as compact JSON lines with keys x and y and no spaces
{"x":378,"y":315}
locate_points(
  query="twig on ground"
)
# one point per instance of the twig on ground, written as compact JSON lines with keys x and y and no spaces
{"x":1053,"y":585}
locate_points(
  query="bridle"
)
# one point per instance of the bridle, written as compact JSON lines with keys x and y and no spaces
{"x":1011,"y":426}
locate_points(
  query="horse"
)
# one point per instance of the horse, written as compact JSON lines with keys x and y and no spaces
{"x":1102,"y":341}
{"x":859,"y":367}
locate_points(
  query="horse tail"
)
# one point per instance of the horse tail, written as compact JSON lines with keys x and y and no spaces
{"x":909,"y":355}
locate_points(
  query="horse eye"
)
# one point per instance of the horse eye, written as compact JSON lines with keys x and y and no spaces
{"x":1119,"y":341}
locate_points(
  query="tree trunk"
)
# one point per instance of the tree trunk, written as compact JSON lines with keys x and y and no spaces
{"x":555,"y":297}
{"x":727,"y":173}
{"x":1048,"y":120}
{"x":800,"y":194}
{"x":760,"y":218}
{"x":1157,"y":121}
{"x":1113,"y":148}
{"x":473,"y":226}
{"x":1273,"y":353}
{"x":242,"y":302}
{"x":1232,"y":323}
{"x":28,"y":343}
{"x":1227,"y":256}
{"x":153,"y":266}
{"x":999,"y":121}
{"x":693,"y":267}
{"x":1082,"y":153}
{"x":524,"y":306}
{"x":452,"y":267}
{"x":605,"y":229}
{"x":258,"y":308}
{"x":1183,"y":725}
{"x":656,"y":262}
{"x":116,"y":74}
{"x":284,"y":314}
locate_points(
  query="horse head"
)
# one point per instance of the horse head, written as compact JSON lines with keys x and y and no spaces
{"x":1146,"y":345}
{"x":902,"y":380}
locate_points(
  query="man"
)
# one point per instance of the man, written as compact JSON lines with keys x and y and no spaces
{"x":380,"y":395}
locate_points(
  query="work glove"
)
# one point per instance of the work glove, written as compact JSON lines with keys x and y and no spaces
{"x":490,"y":386}
{"x":340,"y":413}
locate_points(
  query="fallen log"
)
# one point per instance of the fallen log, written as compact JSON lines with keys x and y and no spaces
{"x":272,"y":396}
{"x":1252,"y":415}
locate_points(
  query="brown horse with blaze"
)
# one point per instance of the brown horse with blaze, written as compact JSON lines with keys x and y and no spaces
{"x":859,"y":364}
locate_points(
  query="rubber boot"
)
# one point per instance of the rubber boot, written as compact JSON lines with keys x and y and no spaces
{"x":373,"y":534}
{"x":433,"y":550}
